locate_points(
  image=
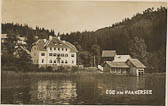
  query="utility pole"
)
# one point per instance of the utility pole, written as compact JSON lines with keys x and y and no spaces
{"x":94,"y":61}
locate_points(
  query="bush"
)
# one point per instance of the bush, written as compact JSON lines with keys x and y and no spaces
{"x":49,"y":69}
{"x":74,"y":69}
{"x":42,"y":69}
{"x":61,"y":69}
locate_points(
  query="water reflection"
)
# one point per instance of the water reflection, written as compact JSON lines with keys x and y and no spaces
{"x":83,"y":90}
{"x":51,"y":91}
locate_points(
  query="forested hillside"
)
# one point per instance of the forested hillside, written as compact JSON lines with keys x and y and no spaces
{"x":13,"y":30}
{"x":148,"y":30}
{"x":143,"y":36}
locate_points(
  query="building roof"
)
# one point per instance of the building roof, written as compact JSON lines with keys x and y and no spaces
{"x":22,"y":38}
{"x":4,"y":36}
{"x":40,"y":43}
{"x":54,"y":42}
{"x":72,"y":47}
{"x":137,"y":63}
{"x":117,"y":64}
{"x":121,"y":58}
{"x":109,"y":53}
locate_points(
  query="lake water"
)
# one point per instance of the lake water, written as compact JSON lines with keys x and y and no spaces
{"x":80,"y":89}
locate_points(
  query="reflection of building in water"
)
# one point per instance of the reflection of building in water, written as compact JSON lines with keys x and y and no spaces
{"x":55,"y":91}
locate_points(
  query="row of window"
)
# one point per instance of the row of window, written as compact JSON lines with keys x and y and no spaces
{"x":53,"y":48}
{"x":54,"y":61}
{"x":59,"y":49}
{"x":141,"y":70}
{"x":58,"y":54}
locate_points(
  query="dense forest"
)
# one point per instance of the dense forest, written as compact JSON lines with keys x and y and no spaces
{"x":143,"y":36}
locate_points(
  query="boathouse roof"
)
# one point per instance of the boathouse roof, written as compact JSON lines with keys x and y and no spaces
{"x":109,"y":53}
{"x":121,"y":58}
{"x":137,"y":63}
{"x":117,"y":64}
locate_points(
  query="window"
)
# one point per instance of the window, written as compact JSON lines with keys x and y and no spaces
{"x":42,"y":54}
{"x":62,"y":61}
{"x":50,"y":48}
{"x":50,"y":54}
{"x":54,"y":48}
{"x":66,"y":61}
{"x":58,"y":55}
{"x":58,"y":49}
{"x":34,"y":48}
{"x":72,"y":55}
{"x":42,"y":61}
{"x":54,"y":61}
{"x":34,"y":54}
{"x":50,"y":61}
{"x":66,"y":49}
{"x":140,"y":70}
{"x":62,"y":49}
{"x":66,"y":55}
{"x":72,"y":61}
{"x":54,"y":54}
{"x":62,"y":55}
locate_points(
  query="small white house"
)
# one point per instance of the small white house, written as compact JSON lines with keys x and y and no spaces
{"x":21,"y":40}
{"x":3,"y":38}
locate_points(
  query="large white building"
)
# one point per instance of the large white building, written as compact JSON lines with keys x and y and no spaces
{"x":53,"y":52}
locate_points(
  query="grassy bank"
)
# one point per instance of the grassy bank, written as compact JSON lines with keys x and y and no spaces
{"x":11,"y":75}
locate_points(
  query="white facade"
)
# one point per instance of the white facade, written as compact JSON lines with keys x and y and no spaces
{"x":55,"y":55}
{"x":21,"y":40}
{"x":3,"y":38}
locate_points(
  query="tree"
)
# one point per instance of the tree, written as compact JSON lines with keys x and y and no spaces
{"x":24,"y":61}
{"x":95,"y":51}
{"x":137,"y":49}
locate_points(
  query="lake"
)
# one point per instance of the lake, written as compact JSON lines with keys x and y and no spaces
{"x":80,"y":88}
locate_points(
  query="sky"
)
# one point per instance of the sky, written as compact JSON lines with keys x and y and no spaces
{"x":71,"y":16}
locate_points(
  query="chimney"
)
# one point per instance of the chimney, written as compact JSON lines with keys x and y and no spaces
{"x":50,"y":37}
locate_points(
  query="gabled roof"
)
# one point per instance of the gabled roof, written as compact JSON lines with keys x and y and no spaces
{"x":40,"y":43}
{"x":109,"y":53}
{"x":121,"y":58}
{"x":72,"y":47}
{"x":117,"y":64}
{"x":4,"y":36}
{"x":137,"y":63}
{"x":54,"y":42}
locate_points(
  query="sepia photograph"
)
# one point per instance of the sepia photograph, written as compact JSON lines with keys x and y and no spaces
{"x":73,"y":52}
